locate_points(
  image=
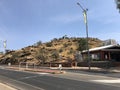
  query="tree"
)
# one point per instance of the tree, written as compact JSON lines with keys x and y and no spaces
{"x":82,"y":44}
{"x":65,"y":37}
{"x":49,"y":44}
{"x":14,"y":58}
{"x":65,"y":45}
{"x":55,"y":55}
{"x":78,"y":57}
{"x":38,"y":43}
{"x":60,"y":50}
{"x":41,"y":55}
{"x":71,"y":51}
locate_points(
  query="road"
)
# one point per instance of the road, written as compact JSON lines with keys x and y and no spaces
{"x":69,"y":81}
{"x":93,"y":72}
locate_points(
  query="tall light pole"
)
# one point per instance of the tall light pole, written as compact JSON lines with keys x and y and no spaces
{"x":5,"y":45}
{"x":86,"y":23}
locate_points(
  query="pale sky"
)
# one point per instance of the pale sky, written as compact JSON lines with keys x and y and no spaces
{"x":24,"y":22}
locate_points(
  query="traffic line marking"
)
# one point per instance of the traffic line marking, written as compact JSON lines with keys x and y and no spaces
{"x":28,"y":77}
{"x":43,"y":73}
{"x":107,"y":81}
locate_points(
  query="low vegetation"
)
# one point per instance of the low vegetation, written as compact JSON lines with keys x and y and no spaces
{"x":57,"y":50}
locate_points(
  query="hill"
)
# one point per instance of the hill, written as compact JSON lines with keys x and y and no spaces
{"x":57,"y":50}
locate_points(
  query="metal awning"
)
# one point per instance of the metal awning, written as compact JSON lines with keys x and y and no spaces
{"x":103,"y":48}
{"x":111,"y":50}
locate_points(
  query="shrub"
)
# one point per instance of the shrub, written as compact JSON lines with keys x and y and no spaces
{"x":60,"y":50}
{"x":65,"y":45}
{"x":49,"y":44}
{"x":55,"y":55}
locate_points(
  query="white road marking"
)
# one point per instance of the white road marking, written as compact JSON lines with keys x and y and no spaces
{"x":2,"y":67}
{"x":43,"y":73}
{"x":22,"y":83}
{"x":107,"y":81}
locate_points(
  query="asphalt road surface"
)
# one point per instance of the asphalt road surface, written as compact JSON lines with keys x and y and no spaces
{"x":30,"y":81}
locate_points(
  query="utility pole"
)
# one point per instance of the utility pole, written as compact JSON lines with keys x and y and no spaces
{"x":86,"y":24}
{"x":5,"y":45}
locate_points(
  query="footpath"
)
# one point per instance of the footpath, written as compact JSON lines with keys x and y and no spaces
{"x":39,"y":70}
{"x":93,"y":69}
{"x":57,"y":70}
{"x":5,"y":87}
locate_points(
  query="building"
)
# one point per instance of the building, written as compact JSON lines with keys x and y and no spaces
{"x":109,"y":52}
{"x":110,"y":42}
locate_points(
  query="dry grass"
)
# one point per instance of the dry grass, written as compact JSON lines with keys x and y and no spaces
{"x":66,"y":48}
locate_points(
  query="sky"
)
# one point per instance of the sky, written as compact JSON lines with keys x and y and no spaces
{"x":25,"y":22}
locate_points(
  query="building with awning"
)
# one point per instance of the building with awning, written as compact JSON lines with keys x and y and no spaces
{"x":109,"y":52}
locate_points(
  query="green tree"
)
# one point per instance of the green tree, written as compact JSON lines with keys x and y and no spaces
{"x":65,"y":37}
{"x":55,"y":55}
{"x":14,"y":58}
{"x":65,"y":45}
{"x":60,"y":50}
{"x":41,"y":55}
{"x":49,"y":44}
{"x":38,"y":43}
{"x":71,"y":51}
{"x":82,"y":44}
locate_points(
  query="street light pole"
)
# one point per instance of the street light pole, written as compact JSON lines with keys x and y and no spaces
{"x":86,"y":23}
{"x":5,"y":45}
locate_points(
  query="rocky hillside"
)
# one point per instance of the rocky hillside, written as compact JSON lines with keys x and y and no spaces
{"x":57,"y":50}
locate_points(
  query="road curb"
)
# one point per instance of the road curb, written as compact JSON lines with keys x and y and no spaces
{"x":38,"y":70}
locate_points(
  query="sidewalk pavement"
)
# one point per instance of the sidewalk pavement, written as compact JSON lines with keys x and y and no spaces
{"x":5,"y":87}
{"x":55,"y":70}
{"x":94,"y":69}
{"x":42,"y":70}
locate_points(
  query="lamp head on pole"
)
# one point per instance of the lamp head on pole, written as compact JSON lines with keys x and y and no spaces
{"x":84,"y":10}
{"x":80,"y":6}
{"x":78,"y":3}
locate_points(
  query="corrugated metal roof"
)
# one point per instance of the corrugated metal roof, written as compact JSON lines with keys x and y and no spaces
{"x":101,"y":48}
